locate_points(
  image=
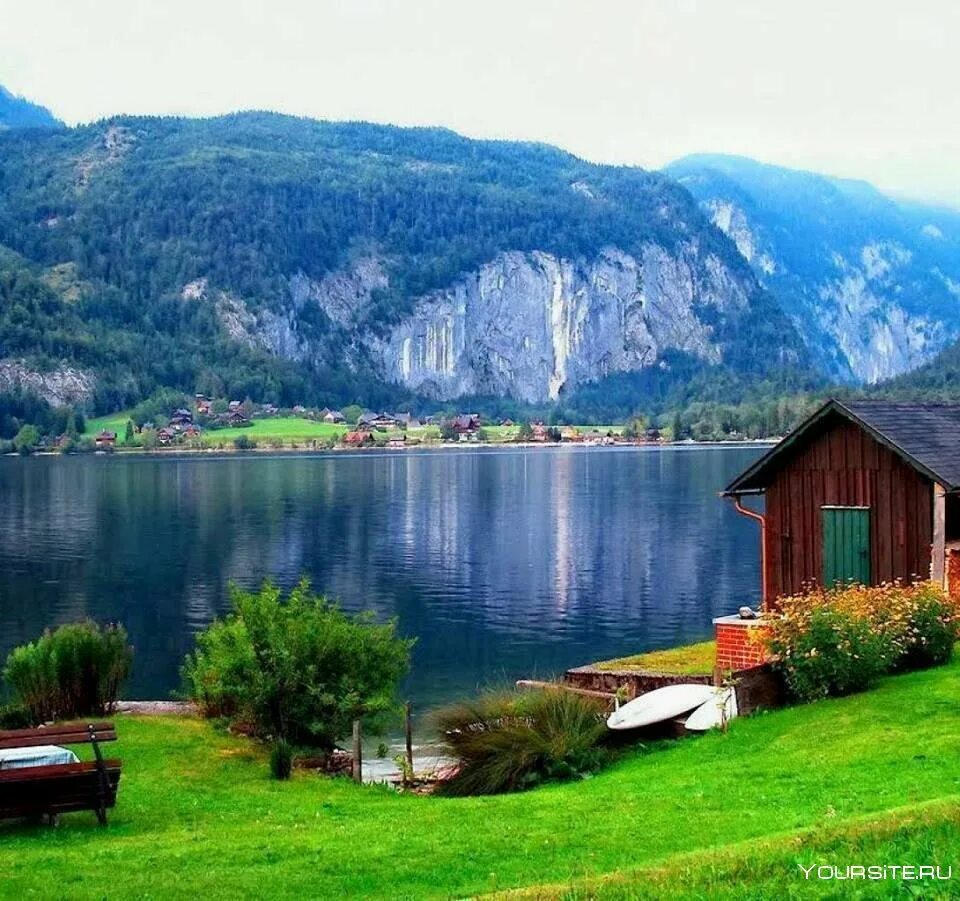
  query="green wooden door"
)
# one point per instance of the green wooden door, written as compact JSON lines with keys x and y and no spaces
{"x":846,"y":545}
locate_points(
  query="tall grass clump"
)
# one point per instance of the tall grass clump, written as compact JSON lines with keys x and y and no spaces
{"x":73,"y":671}
{"x":840,"y":640}
{"x":508,"y":741}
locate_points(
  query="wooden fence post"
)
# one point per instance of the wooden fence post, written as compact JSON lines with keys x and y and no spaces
{"x":408,"y":711}
{"x":357,"y":752}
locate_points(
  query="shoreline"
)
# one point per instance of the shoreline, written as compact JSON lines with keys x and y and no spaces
{"x":267,"y":450}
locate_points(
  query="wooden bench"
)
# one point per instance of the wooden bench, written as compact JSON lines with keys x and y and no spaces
{"x":63,"y":787}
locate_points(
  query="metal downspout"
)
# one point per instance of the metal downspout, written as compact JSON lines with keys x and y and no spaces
{"x":759,"y":517}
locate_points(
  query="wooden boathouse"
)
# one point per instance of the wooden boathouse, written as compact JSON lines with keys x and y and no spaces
{"x":862,"y":491}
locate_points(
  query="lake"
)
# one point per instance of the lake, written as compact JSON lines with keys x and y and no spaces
{"x":504,"y":563}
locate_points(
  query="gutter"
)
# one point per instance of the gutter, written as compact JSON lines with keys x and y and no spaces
{"x":762,"y":519}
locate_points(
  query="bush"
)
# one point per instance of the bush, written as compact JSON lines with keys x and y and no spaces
{"x":76,"y":670}
{"x":511,"y":741}
{"x":829,"y":652}
{"x":297,"y":668}
{"x":14,"y":716}
{"x":933,"y":628}
{"x":244,"y":442}
{"x":281,"y":760}
{"x":837,"y":641}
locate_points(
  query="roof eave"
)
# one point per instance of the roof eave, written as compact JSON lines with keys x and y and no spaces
{"x":734,"y":489}
{"x":779,"y":448}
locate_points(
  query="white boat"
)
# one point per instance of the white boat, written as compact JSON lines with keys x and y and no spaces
{"x":712,"y":712}
{"x":659,"y":705}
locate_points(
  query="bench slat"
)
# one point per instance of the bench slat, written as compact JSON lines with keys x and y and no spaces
{"x":55,"y":771}
{"x":60,"y":734}
{"x":58,"y":728}
{"x":61,"y":738}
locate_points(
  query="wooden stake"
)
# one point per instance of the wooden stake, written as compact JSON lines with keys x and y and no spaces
{"x":357,"y":752}
{"x":408,"y":711}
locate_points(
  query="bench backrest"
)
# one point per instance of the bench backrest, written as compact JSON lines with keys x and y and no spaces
{"x":59,"y":734}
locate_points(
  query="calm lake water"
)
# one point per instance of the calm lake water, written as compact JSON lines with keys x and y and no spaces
{"x":503,"y":563}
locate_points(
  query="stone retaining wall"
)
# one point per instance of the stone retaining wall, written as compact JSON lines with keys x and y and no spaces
{"x":757,"y":687}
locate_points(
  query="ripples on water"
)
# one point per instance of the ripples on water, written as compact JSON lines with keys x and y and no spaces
{"x":503,"y":563}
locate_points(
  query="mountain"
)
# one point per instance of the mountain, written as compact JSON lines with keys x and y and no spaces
{"x":17,"y":112}
{"x":872,"y":284}
{"x":938,"y":380}
{"x":294,"y":260}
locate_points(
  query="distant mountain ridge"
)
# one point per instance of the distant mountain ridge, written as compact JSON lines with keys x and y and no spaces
{"x":18,"y":112}
{"x":291,"y":260}
{"x":872,"y":283}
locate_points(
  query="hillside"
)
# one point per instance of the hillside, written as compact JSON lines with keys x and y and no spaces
{"x":868,"y":779}
{"x":872,"y":283}
{"x":18,"y":112}
{"x":300,"y":261}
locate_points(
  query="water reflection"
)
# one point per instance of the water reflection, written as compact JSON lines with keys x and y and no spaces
{"x":503,"y":563}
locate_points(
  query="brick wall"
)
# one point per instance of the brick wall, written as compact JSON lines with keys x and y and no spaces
{"x":953,"y":572}
{"x":738,"y":644}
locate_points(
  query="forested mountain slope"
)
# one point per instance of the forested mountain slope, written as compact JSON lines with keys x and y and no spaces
{"x":872,"y":283}
{"x":18,"y":112}
{"x":294,"y":260}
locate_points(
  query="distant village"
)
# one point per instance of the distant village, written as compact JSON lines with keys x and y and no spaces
{"x":197,"y":427}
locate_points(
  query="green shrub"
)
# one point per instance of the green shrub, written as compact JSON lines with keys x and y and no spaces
{"x":933,"y":628}
{"x":15,"y":716}
{"x":296,"y":668}
{"x":515,"y":740}
{"x":281,"y":759}
{"x":244,"y":442}
{"x":836,"y":653}
{"x":836,"y":641}
{"x":76,"y":670}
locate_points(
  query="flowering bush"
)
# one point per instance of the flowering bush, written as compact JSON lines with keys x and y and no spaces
{"x":837,"y":641}
{"x":932,"y":629}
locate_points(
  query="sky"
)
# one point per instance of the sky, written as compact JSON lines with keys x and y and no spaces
{"x":859,"y":89}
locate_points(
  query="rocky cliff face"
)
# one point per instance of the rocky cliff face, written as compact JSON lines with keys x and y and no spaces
{"x":871,"y":284}
{"x":58,"y":387}
{"x":531,"y":325}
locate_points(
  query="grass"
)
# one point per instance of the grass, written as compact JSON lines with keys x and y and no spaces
{"x":288,"y":430}
{"x":687,"y":660}
{"x":853,"y":779}
{"x":928,"y":834}
{"x":115,"y":422}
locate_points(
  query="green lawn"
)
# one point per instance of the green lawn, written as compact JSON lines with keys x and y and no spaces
{"x":115,"y":422}
{"x":197,"y":814}
{"x":687,"y":660}
{"x":288,"y":429}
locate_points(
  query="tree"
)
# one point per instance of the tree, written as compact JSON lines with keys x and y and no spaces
{"x":128,"y":434}
{"x":26,"y":439}
{"x":352,"y":413}
{"x":298,"y":668}
{"x":677,"y":428}
{"x":448,"y":431}
{"x":526,"y":432}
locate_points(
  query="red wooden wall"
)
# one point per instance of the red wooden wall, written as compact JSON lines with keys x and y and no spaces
{"x":845,"y":466}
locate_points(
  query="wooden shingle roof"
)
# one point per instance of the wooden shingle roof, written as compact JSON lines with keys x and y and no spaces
{"x":926,"y":436}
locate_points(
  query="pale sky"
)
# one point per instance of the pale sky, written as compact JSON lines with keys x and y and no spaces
{"x":849,"y":87}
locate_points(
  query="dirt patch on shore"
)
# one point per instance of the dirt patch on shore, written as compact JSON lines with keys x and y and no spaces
{"x":158,"y":708}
